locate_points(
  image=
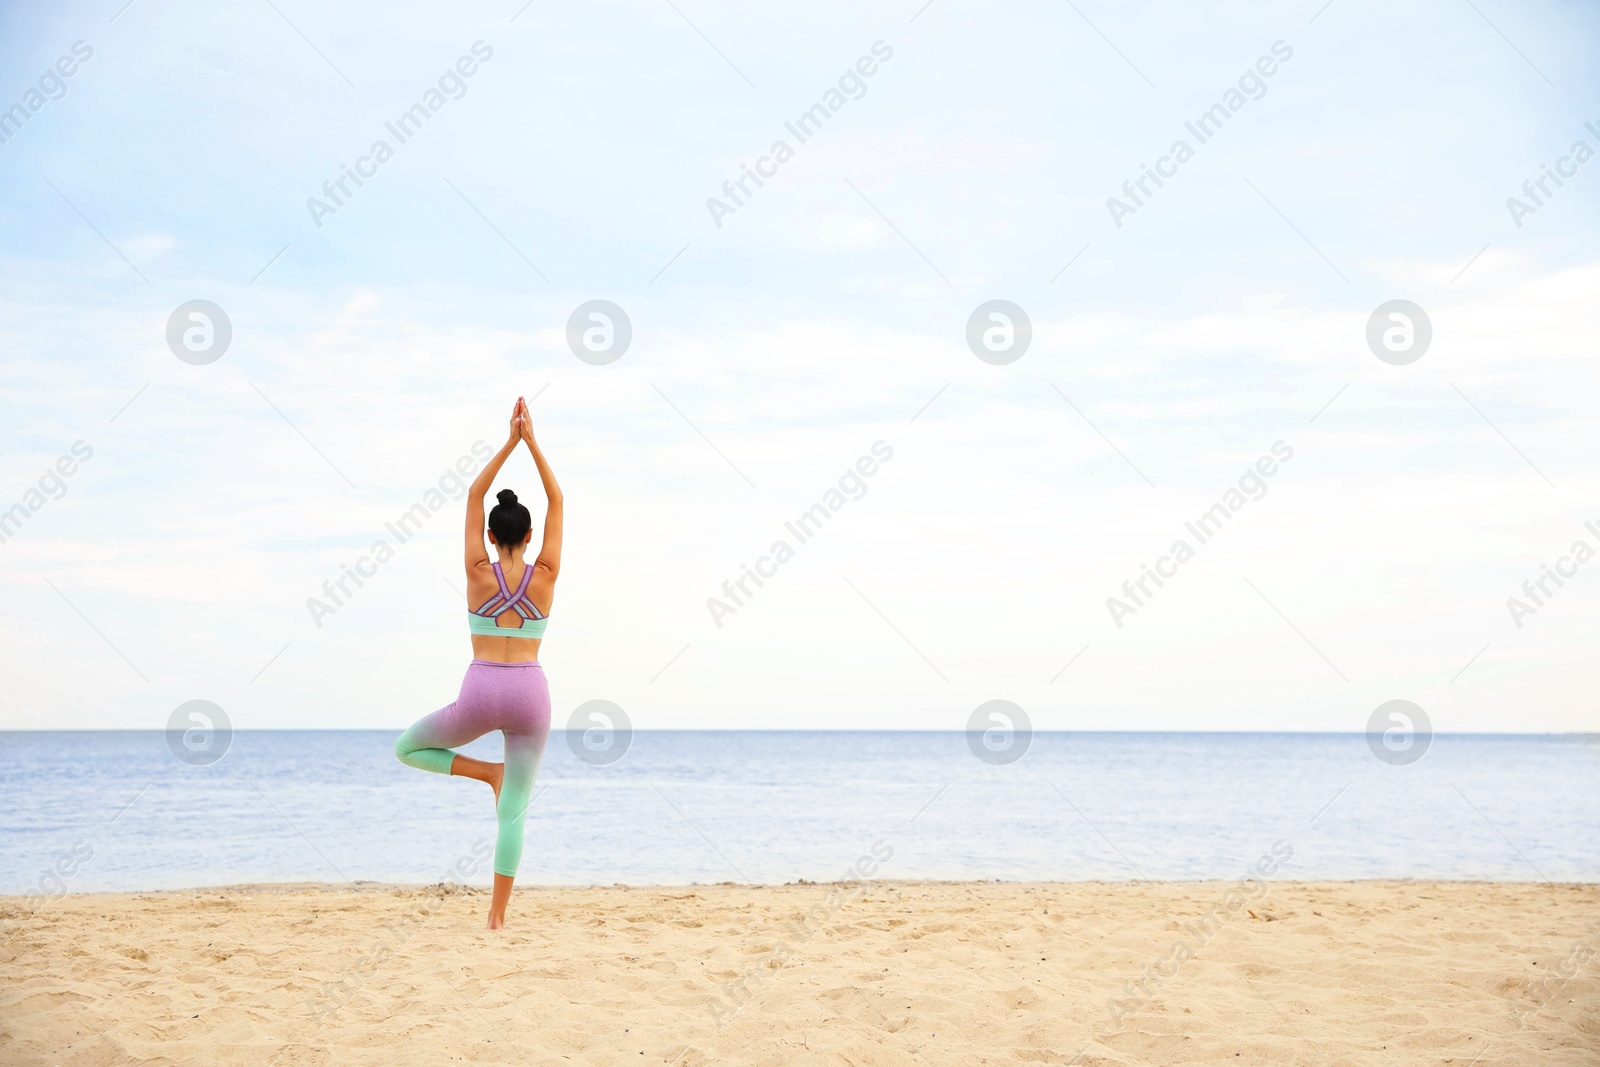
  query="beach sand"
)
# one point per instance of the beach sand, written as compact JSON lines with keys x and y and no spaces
{"x":1390,"y":973}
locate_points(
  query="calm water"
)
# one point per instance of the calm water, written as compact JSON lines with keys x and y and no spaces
{"x":685,"y":807}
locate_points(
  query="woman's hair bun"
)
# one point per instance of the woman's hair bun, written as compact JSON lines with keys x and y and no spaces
{"x":509,"y":521}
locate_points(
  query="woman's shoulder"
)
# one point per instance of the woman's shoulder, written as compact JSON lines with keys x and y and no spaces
{"x":481,"y":576}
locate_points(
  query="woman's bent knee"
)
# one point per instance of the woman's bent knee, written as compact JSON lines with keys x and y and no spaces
{"x":405,"y":750}
{"x":423,"y":758}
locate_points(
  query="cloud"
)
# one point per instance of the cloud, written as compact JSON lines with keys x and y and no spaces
{"x":378,"y":350}
{"x":850,"y":230}
{"x":1004,"y":508}
{"x":146,"y":247}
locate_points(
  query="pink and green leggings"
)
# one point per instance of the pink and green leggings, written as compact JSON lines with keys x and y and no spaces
{"x":512,"y":698}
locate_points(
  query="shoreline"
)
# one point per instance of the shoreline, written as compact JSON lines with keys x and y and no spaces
{"x":371,"y":886}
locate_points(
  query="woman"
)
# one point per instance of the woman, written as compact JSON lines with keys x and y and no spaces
{"x":505,"y":687}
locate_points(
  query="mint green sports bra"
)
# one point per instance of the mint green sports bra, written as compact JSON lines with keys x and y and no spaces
{"x":485,"y":620}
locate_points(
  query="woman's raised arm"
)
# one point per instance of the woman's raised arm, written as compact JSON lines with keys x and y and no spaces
{"x":549,"y":559}
{"x":477,"y":555}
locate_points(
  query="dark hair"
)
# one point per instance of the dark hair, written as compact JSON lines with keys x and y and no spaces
{"x":509,"y":521}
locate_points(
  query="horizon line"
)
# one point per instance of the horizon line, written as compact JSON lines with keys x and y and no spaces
{"x":810,"y":730}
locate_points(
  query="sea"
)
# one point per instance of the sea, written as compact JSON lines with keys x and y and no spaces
{"x":88,"y":811}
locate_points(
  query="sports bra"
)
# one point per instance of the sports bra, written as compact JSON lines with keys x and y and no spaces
{"x":485,"y":620}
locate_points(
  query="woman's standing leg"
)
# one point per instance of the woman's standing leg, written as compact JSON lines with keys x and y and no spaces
{"x":516,"y":793}
{"x":524,"y":746}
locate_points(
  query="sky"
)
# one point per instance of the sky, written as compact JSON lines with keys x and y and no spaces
{"x":1181,"y":334}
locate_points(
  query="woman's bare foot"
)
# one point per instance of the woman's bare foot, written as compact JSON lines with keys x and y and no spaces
{"x":478,"y":770}
{"x":496,"y":922}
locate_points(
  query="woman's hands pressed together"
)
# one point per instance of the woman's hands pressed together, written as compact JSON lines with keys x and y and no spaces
{"x":520,"y":428}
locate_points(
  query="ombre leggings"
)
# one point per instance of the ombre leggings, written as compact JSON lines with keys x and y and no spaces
{"x":512,"y":698}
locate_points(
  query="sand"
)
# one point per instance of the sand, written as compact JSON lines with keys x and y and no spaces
{"x":1390,"y":973}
